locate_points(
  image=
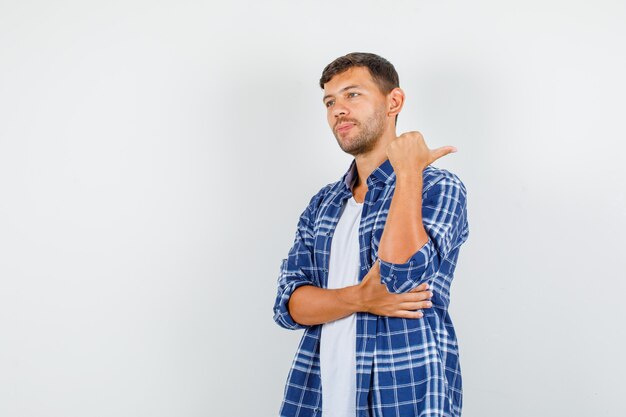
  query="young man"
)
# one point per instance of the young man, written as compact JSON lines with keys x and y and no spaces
{"x":378,"y":340}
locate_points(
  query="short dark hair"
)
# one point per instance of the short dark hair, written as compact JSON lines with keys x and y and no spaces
{"x":382,"y":71}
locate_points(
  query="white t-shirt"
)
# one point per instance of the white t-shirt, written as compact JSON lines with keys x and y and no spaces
{"x":338,"y":337}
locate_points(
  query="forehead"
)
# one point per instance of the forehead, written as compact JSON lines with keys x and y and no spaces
{"x":352,"y":76}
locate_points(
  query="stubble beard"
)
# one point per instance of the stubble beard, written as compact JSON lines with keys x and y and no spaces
{"x":370,"y":131}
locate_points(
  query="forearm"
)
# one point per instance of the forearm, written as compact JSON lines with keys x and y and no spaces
{"x":404,"y":232}
{"x":309,"y":305}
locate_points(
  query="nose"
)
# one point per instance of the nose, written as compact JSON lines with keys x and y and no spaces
{"x":339,"y":109}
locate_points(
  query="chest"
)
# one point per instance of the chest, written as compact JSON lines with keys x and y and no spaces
{"x":376,"y":203}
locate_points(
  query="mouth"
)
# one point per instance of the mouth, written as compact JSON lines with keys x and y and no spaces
{"x":344,"y":127}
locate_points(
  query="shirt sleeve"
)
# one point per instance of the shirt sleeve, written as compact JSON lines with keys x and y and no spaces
{"x":444,"y":214}
{"x":296,"y":270}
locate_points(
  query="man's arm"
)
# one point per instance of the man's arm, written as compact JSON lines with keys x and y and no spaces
{"x":297,"y":270}
{"x":424,"y":231}
{"x":404,"y":232}
{"x":311,"y":305}
{"x":444,"y":217}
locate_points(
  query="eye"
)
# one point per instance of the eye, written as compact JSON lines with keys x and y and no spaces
{"x":353,"y":93}
{"x":328,"y":103}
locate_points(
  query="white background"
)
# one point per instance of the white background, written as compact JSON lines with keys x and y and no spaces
{"x":155,"y":157}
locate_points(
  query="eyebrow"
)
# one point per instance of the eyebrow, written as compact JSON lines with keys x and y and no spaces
{"x":343,"y":89}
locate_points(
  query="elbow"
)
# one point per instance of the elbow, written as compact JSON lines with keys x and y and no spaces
{"x":283,"y":315}
{"x":403,"y":277}
{"x":292,"y":310}
{"x":284,"y":320}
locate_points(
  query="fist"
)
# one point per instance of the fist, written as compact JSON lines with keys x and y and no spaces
{"x":409,"y":152}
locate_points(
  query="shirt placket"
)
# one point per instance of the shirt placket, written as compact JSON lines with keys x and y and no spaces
{"x":366,"y":323}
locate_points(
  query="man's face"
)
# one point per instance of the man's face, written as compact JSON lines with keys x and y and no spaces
{"x":356,"y":110}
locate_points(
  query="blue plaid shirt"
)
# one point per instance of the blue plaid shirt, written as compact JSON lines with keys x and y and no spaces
{"x":405,"y":367}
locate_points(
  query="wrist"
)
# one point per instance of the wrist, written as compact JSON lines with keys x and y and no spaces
{"x":412,"y":176}
{"x":411,"y":183}
{"x":351,"y":298}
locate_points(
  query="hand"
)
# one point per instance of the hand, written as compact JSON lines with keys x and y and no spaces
{"x":376,"y":299}
{"x":409,"y":152}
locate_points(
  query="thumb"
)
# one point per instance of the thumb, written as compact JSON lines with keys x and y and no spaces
{"x":439,"y":152}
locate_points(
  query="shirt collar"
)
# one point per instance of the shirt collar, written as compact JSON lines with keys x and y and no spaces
{"x":383,"y":174}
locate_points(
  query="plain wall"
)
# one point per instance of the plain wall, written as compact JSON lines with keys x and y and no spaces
{"x":155,"y":157}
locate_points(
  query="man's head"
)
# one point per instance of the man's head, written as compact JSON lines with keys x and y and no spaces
{"x":362,"y":98}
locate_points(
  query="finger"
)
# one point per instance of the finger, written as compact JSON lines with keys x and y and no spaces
{"x":414,"y":297}
{"x":439,"y":152}
{"x":415,"y":305}
{"x":408,"y":314}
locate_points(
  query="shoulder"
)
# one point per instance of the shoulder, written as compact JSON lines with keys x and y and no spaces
{"x":436,"y":178}
{"x":319,"y":197}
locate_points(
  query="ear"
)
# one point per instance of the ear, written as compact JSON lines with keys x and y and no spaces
{"x":395,"y":101}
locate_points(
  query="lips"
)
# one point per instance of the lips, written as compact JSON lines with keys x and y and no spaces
{"x":344,"y":127}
